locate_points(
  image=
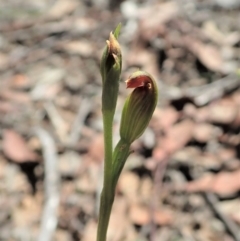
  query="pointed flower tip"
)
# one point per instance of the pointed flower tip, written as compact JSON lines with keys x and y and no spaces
{"x":111,"y":67}
{"x":113,"y":45}
{"x":111,"y":62}
{"x":117,"y":30}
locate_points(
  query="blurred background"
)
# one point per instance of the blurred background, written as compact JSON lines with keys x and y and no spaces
{"x":182,"y":182}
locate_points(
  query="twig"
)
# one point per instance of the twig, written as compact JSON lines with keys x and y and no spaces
{"x":158,"y":183}
{"x":51,"y":186}
{"x":212,"y":200}
{"x":204,"y":94}
{"x":229,"y":224}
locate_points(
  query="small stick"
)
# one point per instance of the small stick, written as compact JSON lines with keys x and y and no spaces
{"x":158,"y":184}
{"x":51,"y":185}
{"x":229,"y":224}
{"x":204,"y":94}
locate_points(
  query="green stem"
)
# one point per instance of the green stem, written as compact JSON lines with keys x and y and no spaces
{"x":107,"y":195}
{"x":104,"y":214}
{"x":120,"y":155}
{"x":112,"y":171}
{"x":107,"y":129}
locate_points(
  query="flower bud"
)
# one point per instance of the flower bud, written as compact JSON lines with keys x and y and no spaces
{"x":112,"y":57}
{"x":111,"y":66}
{"x":139,"y":106}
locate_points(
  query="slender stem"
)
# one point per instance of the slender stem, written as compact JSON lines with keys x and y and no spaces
{"x":120,"y":155}
{"x":111,"y":176}
{"x":107,"y":195}
{"x":104,"y":214}
{"x":107,"y":129}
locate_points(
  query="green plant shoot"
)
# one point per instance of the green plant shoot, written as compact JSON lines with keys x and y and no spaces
{"x":137,"y":112}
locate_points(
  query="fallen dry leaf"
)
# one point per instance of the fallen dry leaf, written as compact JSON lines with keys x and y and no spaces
{"x":230,"y":208}
{"x":163,"y":217}
{"x":190,"y":110}
{"x":90,"y":231}
{"x":208,"y":54}
{"x":201,"y":184}
{"x":202,"y":114}
{"x":150,"y":26}
{"x":236,"y":122}
{"x":7,"y":107}
{"x":20,"y":81}
{"x":165,"y":118}
{"x":85,"y":183}
{"x":223,"y":114}
{"x":236,"y":97}
{"x":118,"y":221}
{"x":226,"y":154}
{"x":14,"y":180}
{"x":16,"y":149}
{"x":61,"y":8}
{"x":96,"y":149}
{"x":4,"y":61}
{"x":139,"y":214}
{"x":236,"y":216}
{"x":83,"y":48}
{"x":159,"y":154}
{"x":213,"y":32}
{"x":204,"y":132}
{"x":145,"y":189}
{"x":15,"y":96}
{"x":138,"y":56}
{"x":129,"y":184}
{"x":178,"y":136}
{"x":142,"y":215}
{"x":62,"y":235}
{"x":29,"y":212}
{"x":224,"y":183}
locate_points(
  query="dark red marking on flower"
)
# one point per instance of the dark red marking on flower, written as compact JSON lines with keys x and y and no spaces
{"x":139,"y":81}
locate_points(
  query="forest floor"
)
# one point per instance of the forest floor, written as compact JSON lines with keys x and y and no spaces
{"x":182,"y":181}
